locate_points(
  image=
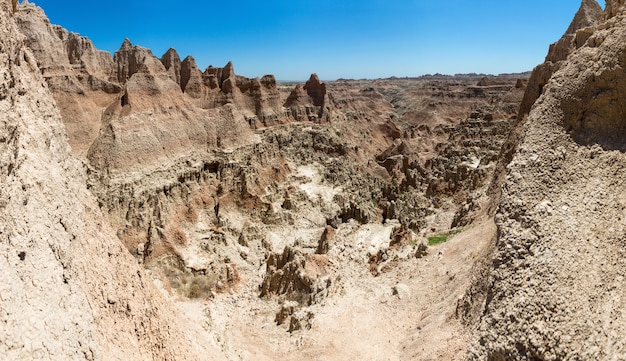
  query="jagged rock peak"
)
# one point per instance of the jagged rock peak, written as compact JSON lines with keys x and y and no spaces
{"x":189,"y":71}
{"x":171,"y":61}
{"x":314,"y":79}
{"x":298,"y":96}
{"x":588,"y":14}
{"x":229,"y":71}
{"x":581,"y":27}
{"x":126,"y":44}
{"x":316,"y":90}
{"x":268,"y":81}
{"x":59,"y":51}
{"x":131,"y":59}
{"x":190,"y":62}
{"x":216,"y":77}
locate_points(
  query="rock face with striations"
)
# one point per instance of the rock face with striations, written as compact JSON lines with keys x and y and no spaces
{"x":95,"y":91}
{"x":588,"y":15}
{"x":69,"y":290}
{"x":310,"y":102}
{"x":556,"y":290}
{"x":82,"y":78}
{"x":151,"y":123}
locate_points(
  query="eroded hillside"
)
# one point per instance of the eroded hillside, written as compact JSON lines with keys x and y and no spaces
{"x":266,"y":207}
{"x":68,"y":288}
{"x":300,"y":221}
{"x":555,"y":291}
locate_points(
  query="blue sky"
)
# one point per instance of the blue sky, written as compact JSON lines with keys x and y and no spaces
{"x":335,"y":38}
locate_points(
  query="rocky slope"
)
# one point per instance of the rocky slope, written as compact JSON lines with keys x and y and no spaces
{"x":589,"y":14}
{"x":291,"y":220}
{"x":69,"y":289}
{"x":555,"y":291}
{"x":253,"y":203}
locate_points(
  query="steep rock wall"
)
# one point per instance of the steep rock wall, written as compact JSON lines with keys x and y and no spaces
{"x":68,"y":288}
{"x":80,"y":77}
{"x":588,"y":15}
{"x":556,"y":287}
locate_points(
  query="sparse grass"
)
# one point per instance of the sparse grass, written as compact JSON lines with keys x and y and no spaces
{"x":442,"y":238}
{"x":438,"y":239}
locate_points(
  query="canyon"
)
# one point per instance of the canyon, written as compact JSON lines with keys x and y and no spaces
{"x":151,"y":210}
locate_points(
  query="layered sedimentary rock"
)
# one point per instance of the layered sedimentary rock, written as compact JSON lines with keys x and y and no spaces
{"x":82,"y":78}
{"x":90,"y":87}
{"x":69,"y":289}
{"x":588,"y":15}
{"x":556,"y":288}
{"x":310,"y":102}
{"x":152,"y":123}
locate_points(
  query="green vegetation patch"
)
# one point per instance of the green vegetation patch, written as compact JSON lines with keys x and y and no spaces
{"x":442,"y":238}
{"x":434,"y":240}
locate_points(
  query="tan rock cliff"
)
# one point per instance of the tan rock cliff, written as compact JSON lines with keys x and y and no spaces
{"x":588,"y":15}
{"x":68,"y":288}
{"x":82,"y":78}
{"x":556,"y":286}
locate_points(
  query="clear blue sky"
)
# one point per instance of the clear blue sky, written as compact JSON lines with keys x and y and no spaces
{"x":335,"y":38}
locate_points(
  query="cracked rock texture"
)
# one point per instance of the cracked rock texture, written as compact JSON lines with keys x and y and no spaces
{"x":69,"y":290}
{"x":258,"y":207}
{"x":588,"y":15}
{"x":556,"y":290}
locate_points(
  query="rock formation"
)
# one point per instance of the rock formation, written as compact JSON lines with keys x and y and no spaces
{"x":298,"y":277}
{"x":316,"y":90}
{"x":82,"y":78}
{"x":613,"y":7}
{"x":221,"y":205}
{"x":191,"y":78}
{"x":555,"y":291}
{"x":310,"y":102}
{"x":151,"y":121}
{"x":588,"y":15}
{"x":172,"y":63}
{"x":87,"y":83}
{"x":69,"y":288}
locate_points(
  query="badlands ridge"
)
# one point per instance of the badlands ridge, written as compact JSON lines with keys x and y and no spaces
{"x":151,"y":210}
